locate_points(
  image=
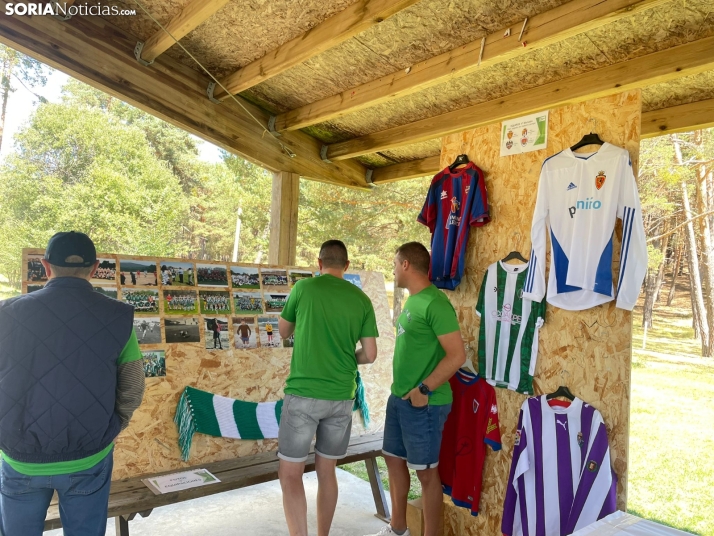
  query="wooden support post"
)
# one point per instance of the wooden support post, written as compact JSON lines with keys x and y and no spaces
{"x":283,"y":218}
{"x":121,"y":524}
{"x":375,"y":481}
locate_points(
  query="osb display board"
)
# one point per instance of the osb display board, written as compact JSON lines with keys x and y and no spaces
{"x":256,"y":373}
{"x":589,"y":351}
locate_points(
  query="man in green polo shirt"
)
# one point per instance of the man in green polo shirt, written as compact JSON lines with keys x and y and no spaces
{"x":428,"y":351}
{"x":327,"y":315}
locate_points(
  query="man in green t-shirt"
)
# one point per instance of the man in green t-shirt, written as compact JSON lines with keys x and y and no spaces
{"x":327,"y":316}
{"x":428,"y":351}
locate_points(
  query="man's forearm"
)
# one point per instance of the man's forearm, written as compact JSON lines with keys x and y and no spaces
{"x":444,"y":370}
{"x":130,"y":390}
{"x":361,"y":357}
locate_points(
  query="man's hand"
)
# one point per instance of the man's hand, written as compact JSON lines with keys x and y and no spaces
{"x":417,"y":399}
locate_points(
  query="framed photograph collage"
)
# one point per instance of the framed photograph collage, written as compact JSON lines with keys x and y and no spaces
{"x":220,"y":306}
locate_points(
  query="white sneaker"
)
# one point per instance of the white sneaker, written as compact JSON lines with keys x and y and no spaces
{"x":387,"y":531}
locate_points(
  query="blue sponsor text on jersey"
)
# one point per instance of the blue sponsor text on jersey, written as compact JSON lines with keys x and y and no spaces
{"x":588,"y":204}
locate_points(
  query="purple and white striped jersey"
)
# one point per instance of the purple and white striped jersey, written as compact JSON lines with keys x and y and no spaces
{"x":561,"y":479}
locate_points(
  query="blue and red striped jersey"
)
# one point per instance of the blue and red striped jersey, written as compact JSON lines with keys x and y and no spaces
{"x":456,"y":201}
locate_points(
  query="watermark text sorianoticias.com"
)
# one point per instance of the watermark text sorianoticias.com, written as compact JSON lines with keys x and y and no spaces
{"x":61,"y":9}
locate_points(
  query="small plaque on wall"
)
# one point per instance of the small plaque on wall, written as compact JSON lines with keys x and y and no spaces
{"x":524,"y":134}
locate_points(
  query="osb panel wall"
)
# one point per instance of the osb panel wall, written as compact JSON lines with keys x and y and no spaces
{"x":589,"y":351}
{"x":150,"y":443}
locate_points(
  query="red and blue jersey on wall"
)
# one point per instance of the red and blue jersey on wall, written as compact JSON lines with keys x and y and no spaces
{"x":456,"y":201}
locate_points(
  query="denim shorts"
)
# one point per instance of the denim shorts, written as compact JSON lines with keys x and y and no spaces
{"x":414,"y":434}
{"x":302,"y":419}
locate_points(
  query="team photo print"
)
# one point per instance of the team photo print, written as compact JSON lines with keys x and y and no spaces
{"x":247,"y":303}
{"x":245,"y":277}
{"x":245,"y":332}
{"x":109,"y":292}
{"x":182,"y":329}
{"x":106,"y":272}
{"x":154,"y":363}
{"x":177,"y":274}
{"x":214,"y":302}
{"x":143,"y":301}
{"x":180,"y":302}
{"x":297,"y":275}
{"x":275,"y":302}
{"x":137,"y":273}
{"x":216,"y":333}
{"x":148,"y":329}
{"x":210,"y":275}
{"x":268,"y":331}
{"x":275,"y":278}
{"x":35,"y":270}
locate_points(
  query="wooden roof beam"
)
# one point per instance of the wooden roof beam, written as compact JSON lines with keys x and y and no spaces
{"x":407,"y":170}
{"x":96,"y":52}
{"x":683,"y":118}
{"x":353,"y":20}
{"x":567,"y":20}
{"x":668,"y":64}
{"x":195,"y":13}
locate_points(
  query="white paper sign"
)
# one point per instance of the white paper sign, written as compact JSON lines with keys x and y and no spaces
{"x":180,"y":481}
{"x":524,"y":134}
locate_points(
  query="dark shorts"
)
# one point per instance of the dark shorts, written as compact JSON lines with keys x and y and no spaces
{"x":245,"y":340}
{"x":414,"y":434}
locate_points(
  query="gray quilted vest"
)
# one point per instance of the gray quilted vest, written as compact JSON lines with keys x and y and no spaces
{"x":58,"y":371}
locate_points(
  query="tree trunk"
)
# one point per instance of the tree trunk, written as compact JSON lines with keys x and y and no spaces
{"x":653,"y":283}
{"x":660,"y":273}
{"x":397,"y":308}
{"x":699,"y":313}
{"x":5,"y":77}
{"x":675,"y":273}
{"x":707,"y":254}
{"x":695,"y":313}
{"x":699,"y":310}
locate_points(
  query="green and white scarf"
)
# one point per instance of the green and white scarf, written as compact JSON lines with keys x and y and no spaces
{"x":202,"y":412}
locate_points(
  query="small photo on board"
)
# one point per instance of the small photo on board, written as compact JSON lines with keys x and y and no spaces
{"x":214,"y":302}
{"x":275,"y":301}
{"x":177,"y":274}
{"x":154,"y":363}
{"x":275,"y":278}
{"x":143,"y":301}
{"x":35,"y":270}
{"x":242,"y":277}
{"x":289,"y":342}
{"x":211,"y":275}
{"x":268,"y":330}
{"x":244,"y":332}
{"x":216,"y":333}
{"x":180,"y":302}
{"x":109,"y":292}
{"x":297,"y":275}
{"x":33,"y":288}
{"x":182,"y":329}
{"x":106,"y":272}
{"x":137,"y":273}
{"x":148,"y":329}
{"x":355,"y":279}
{"x":247,"y":303}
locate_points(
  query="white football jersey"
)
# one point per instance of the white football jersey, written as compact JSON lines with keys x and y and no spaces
{"x":580,"y":197}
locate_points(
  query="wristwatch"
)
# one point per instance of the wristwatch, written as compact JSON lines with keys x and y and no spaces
{"x":424,"y":389}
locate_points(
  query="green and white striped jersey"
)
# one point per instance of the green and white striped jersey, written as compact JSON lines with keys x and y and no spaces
{"x":508,"y":335}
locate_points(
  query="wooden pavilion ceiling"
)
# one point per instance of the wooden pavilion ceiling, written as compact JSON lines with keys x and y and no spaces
{"x":380,"y":81}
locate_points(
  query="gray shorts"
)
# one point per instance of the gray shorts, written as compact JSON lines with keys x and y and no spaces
{"x":304,"y":418}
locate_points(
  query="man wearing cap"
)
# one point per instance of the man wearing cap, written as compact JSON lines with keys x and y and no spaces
{"x":71,"y":376}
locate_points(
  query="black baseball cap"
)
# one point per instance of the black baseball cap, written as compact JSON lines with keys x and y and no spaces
{"x":64,"y":245}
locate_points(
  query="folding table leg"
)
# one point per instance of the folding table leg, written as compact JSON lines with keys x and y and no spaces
{"x":375,"y":481}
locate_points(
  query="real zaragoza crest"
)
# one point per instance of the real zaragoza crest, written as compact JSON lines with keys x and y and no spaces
{"x":600,"y":179}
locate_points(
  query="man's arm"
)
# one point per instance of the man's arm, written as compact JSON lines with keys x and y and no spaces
{"x":130,"y":381}
{"x":368,"y":353}
{"x":285,"y":328}
{"x":455,"y":357}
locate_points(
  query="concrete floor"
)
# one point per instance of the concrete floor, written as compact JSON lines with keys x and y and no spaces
{"x":257,"y":511}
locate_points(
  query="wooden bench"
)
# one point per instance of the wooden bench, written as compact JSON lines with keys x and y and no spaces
{"x":129,"y":497}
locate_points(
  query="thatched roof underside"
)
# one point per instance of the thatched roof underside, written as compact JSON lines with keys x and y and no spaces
{"x":245,"y":30}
